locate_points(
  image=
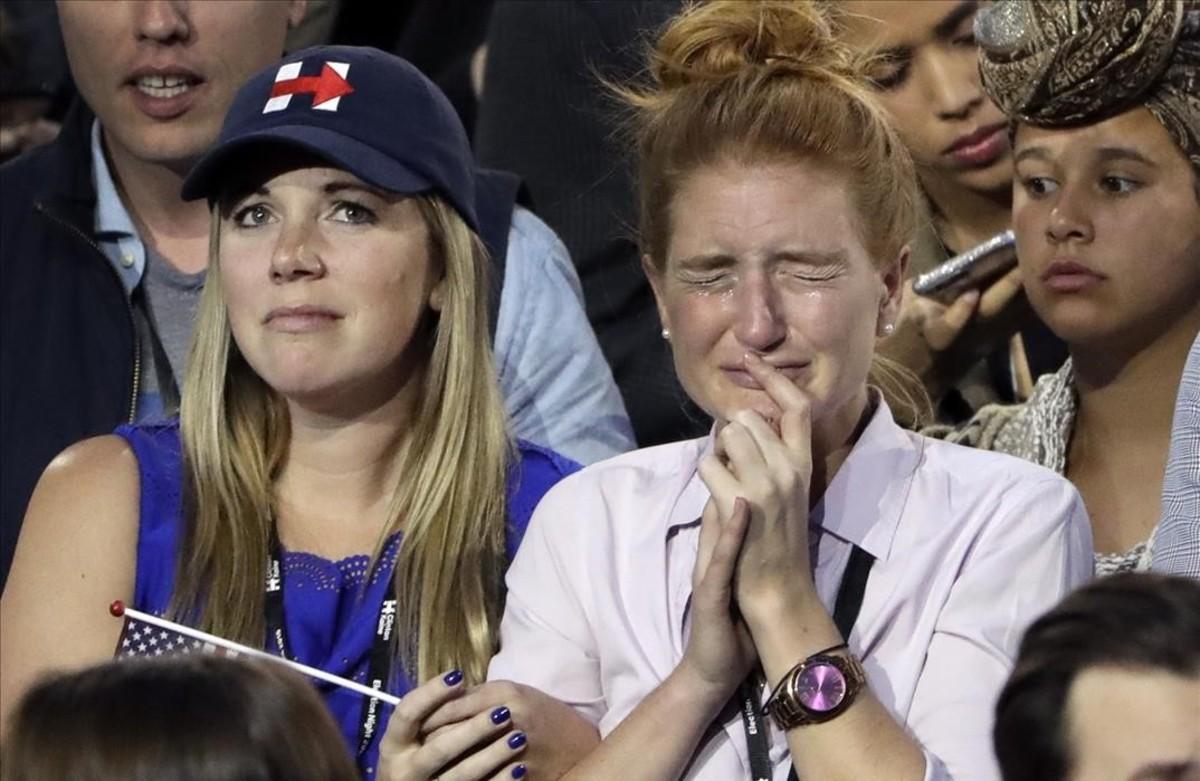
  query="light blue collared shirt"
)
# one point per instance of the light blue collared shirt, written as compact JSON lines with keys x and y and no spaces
{"x":557,"y":385}
{"x":115,"y":231}
{"x":122,"y":245}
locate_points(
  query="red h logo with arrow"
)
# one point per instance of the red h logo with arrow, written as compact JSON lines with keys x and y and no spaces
{"x":326,"y":89}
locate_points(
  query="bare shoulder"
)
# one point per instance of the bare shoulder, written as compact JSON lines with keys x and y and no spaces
{"x":76,"y":553}
{"x":89,"y":492}
{"x":100,"y":464}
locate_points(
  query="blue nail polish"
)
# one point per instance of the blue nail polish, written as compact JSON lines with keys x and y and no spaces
{"x":516,"y":740}
{"x":500,"y":715}
{"x":453,"y":678}
{"x":519,"y":771}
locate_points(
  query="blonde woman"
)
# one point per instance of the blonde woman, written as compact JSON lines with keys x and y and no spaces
{"x":341,"y":486}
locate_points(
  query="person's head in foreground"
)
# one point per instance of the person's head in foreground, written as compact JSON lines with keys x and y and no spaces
{"x":1106,"y":207}
{"x":776,"y":206}
{"x":347,"y":283}
{"x":1107,"y":686}
{"x":195,"y":718}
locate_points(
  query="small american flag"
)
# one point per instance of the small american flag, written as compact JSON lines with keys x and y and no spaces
{"x":145,"y":634}
{"x":142,"y":639}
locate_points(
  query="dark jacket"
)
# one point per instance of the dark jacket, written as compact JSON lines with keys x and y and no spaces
{"x":68,"y":348}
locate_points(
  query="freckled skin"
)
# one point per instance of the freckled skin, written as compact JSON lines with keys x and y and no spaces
{"x":295,"y":243}
{"x":783,"y":274}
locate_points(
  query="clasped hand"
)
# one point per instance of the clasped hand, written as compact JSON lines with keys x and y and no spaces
{"x":753,"y":557}
{"x":448,"y":731}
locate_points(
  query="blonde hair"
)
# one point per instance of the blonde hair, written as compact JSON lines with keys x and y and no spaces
{"x":450,"y":499}
{"x":764,"y":82}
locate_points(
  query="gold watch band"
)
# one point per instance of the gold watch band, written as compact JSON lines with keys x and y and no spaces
{"x":784,"y":705}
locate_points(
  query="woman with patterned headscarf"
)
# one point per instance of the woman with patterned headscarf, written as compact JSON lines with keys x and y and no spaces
{"x":1105,"y":100}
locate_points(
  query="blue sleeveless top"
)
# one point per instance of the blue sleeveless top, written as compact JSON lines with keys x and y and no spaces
{"x":330,"y":615}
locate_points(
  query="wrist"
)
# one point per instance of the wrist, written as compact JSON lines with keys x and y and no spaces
{"x":688,"y":687}
{"x":770,"y":606}
{"x":792,"y":640}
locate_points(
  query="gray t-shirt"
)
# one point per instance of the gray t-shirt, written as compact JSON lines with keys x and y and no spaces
{"x":165,"y":303}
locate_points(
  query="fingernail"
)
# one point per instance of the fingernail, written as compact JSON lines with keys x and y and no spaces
{"x":516,"y":740}
{"x":500,"y":715}
{"x":519,"y":771}
{"x":453,"y":678}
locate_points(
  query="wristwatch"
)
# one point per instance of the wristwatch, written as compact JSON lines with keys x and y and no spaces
{"x":816,"y":690}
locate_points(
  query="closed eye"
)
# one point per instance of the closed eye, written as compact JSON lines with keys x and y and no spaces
{"x":891,"y":74}
{"x":813,"y":274}
{"x":704,"y":280}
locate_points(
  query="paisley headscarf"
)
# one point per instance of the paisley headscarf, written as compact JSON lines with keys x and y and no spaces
{"x":1058,"y":63}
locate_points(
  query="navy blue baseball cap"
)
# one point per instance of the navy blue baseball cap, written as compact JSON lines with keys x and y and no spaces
{"x":362,"y":109}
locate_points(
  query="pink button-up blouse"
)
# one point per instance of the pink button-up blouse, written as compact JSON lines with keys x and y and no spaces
{"x":970,"y":547}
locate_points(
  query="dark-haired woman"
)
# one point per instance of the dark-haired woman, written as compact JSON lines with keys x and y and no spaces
{"x":927,"y":79}
{"x":1107,"y":219}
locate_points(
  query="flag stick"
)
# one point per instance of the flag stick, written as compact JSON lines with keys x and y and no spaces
{"x":118,"y":609}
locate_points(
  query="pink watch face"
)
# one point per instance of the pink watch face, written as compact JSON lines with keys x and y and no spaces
{"x":821,"y":687}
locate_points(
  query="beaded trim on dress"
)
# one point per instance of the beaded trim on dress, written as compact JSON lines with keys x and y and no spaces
{"x":1136,"y":559}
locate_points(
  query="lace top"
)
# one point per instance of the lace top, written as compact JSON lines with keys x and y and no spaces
{"x":1136,"y":559}
{"x":331,"y":607}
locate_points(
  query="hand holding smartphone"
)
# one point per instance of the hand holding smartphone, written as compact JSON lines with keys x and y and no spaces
{"x":975,"y":268}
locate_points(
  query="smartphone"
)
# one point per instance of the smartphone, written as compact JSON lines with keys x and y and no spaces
{"x":975,"y":268}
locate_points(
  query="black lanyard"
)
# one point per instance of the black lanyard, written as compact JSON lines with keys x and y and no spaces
{"x":379,"y":664}
{"x":845,"y":613}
